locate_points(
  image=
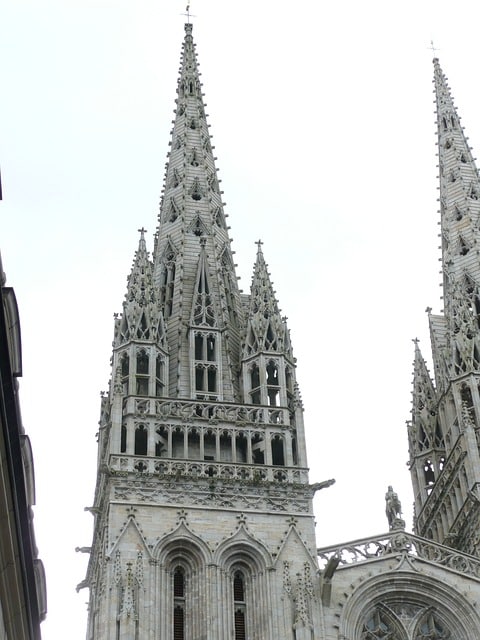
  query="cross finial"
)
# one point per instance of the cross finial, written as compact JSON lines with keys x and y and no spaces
{"x":433,"y":48}
{"x":142,"y":230}
{"x":415,"y":340}
{"x":259,"y":244}
{"x":187,"y":13}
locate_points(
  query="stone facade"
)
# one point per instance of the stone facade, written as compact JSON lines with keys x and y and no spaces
{"x":203,"y":514}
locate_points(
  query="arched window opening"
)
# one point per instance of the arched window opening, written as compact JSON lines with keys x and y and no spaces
{"x":194,"y":444}
{"x":161,"y":442}
{"x":467,"y":401}
{"x":177,"y":443}
{"x":167,"y":283}
{"x":123,"y":439}
{"x":141,"y":438}
{"x":226,"y":447}
{"x":272,"y":373}
{"x":210,"y":348}
{"x":430,"y":628}
{"x":159,"y":376}
{"x":179,"y":604}
{"x":241,"y":448}
{"x":255,"y":383}
{"x":199,"y":378}
{"x":452,"y":120}
{"x":142,"y":362}
{"x":444,"y":122}
{"x":199,"y":346}
{"x":239,"y":605}
{"x":429,"y":472}
{"x":377,"y":627}
{"x":258,"y":449}
{"x":142,"y":373}
{"x":272,"y":383}
{"x":212,"y":379}
{"x":125,"y":369}
{"x":278,"y":457}
{"x":209,"y":446}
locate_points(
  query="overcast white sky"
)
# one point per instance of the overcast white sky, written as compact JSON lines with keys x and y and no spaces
{"x":323,"y":122}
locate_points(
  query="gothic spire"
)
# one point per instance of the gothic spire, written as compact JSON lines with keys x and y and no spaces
{"x":460,"y":216}
{"x":192,"y":231}
{"x":266,"y":329}
{"x":459,"y":190}
{"x":141,"y":318}
{"x":423,"y":433}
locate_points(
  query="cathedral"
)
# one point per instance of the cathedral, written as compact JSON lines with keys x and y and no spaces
{"x":203,"y":518}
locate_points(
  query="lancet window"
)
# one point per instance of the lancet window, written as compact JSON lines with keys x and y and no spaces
{"x":205,"y":352}
{"x":125,"y":371}
{"x":167,"y":283}
{"x":255,"y":396}
{"x":141,"y":374}
{"x":123,"y":438}
{"x":273,"y":389}
{"x":239,"y":605}
{"x":179,"y":604}
{"x":141,"y":440}
{"x":278,"y":453}
{"x":159,"y":376}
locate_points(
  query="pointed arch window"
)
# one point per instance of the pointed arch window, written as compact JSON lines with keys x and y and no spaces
{"x":125,"y":371}
{"x":179,"y":604}
{"x":123,"y":438}
{"x":378,"y":627}
{"x":239,"y":605}
{"x":159,"y":376}
{"x":167,"y":283}
{"x":430,"y":628}
{"x":142,"y":370}
{"x":141,"y":440}
{"x":255,"y":397}
{"x":273,"y":389}
{"x":278,"y":453}
{"x":429,"y":473}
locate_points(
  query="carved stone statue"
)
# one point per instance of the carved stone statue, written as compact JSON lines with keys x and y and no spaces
{"x":393,"y":510}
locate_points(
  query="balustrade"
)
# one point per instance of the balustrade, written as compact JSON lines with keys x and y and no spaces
{"x":208,"y":469}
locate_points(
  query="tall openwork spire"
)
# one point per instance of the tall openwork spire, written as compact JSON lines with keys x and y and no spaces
{"x":444,"y":460}
{"x":192,"y":230}
{"x":459,"y":193}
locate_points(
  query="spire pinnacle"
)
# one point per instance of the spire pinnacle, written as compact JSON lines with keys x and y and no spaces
{"x":459,"y":199}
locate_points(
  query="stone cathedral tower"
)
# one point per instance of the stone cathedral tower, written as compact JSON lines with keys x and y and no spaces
{"x":203,"y":512}
{"x":444,"y":434}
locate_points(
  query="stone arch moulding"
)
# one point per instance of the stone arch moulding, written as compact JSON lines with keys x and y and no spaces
{"x":244,"y":547}
{"x":182,"y":543}
{"x":414,"y":589}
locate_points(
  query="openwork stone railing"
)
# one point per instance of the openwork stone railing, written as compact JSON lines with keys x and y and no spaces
{"x":187,"y":410}
{"x":199,"y":469}
{"x":398,"y":542}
